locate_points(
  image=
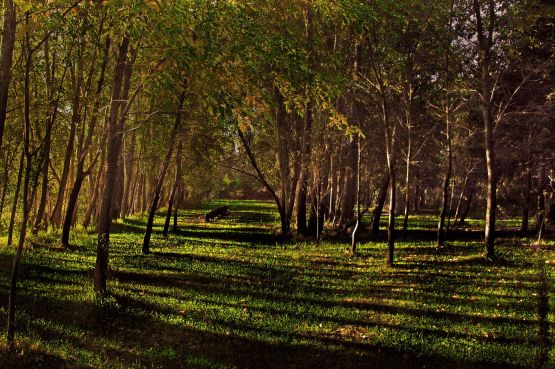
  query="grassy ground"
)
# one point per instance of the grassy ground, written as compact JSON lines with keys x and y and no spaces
{"x":227,"y":295}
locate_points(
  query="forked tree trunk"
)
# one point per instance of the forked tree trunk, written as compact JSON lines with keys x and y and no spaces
{"x":82,"y":173}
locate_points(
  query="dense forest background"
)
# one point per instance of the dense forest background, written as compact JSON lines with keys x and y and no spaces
{"x":336,"y":110}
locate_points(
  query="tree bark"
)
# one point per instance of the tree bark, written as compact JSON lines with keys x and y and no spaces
{"x":175,"y":189}
{"x":526,"y":201}
{"x":378,"y":209}
{"x":26,"y":206}
{"x":56,"y":216}
{"x":446,"y":180}
{"x":81,"y":172}
{"x":6,"y":57}
{"x":165,"y":165}
{"x":16,"y":195}
{"x":485,"y":43}
{"x":114,"y":149}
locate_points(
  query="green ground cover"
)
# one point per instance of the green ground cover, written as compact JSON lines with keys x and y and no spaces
{"x":229,"y":295}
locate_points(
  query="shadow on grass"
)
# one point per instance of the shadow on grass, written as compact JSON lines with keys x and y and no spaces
{"x":161,"y":344}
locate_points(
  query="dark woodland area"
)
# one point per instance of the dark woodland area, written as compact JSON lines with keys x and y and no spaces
{"x":277,"y":184}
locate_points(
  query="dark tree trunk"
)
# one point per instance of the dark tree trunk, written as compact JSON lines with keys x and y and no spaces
{"x":468,"y":205}
{"x":26,"y":205}
{"x":485,"y":42}
{"x":16,"y":195}
{"x":129,"y":174}
{"x":81,"y":173}
{"x":174,"y":199}
{"x":306,"y":148}
{"x":306,"y":144}
{"x":349,"y":184}
{"x":165,"y":165}
{"x":526,"y":202}
{"x":540,"y":216}
{"x":175,"y":227}
{"x":56,"y":216}
{"x":378,"y":209}
{"x":354,"y":236}
{"x":283,"y":160}
{"x":6,"y":57}
{"x":391,"y":164}
{"x":446,"y":180}
{"x":114,"y":149}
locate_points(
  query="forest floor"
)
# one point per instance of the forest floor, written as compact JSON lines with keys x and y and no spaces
{"x":227,"y":294}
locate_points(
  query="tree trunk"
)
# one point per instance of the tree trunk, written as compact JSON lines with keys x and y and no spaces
{"x":129,"y":165}
{"x":283,"y":161}
{"x":541,"y":199}
{"x":6,"y":56}
{"x":306,"y":148}
{"x":407,"y":173}
{"x":56,"y":216}
{"x":23,"y":230}
{"x":484,"y":50}
{"x":354,"y":236}
{"x":447,"y":179}
{"x":16,"y":195}
{"x":468,"y":204}
{"x":378,"y":209}
{"x":165,"y":165}
{"x":178,"y":201}
{"x":114,"y":149}
{"x":175,"y":189}
{"x":391,"y":165}
{"x":527,"y":200}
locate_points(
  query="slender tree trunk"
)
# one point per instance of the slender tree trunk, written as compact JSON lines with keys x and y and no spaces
{"x":527,"y":200}
{"x":541,"y":199}
{"x":178,"y":201}
{"x":5,"y":180}
{"x":6,"y":57}
{"x":354,"y":236}
{"x":349,"y":184}
{"x":306,"y":144}
{"x":165,"y":165}
{"x":23,"y":230}
{"x":283,"y":160}
{"x":129,"y":165}
{"x":407,"y":173}
{"x":378,"y":209}
{"x":39,"y":218}
{"x":468,"y":204}
{"x":175,"y":189}
{"x":114,"y":148}
{"x":446,"y":180}
{"x":391,"y":164}
{"x":16,"y":195}
{"x":485,"y":42}
{"x":306,"y":148}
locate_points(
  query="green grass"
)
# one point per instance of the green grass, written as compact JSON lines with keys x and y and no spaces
{"x":228,"y":295}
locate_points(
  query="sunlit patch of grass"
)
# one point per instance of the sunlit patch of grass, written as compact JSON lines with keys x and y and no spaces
{"x":228,"y":294}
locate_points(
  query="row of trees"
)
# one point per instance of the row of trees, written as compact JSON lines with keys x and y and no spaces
{"x":109,"y":108}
